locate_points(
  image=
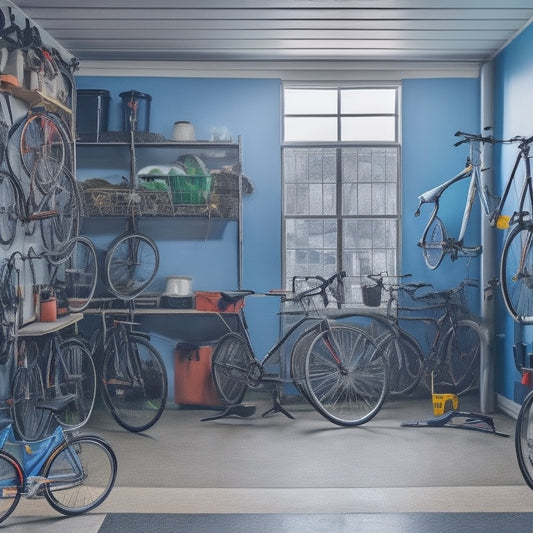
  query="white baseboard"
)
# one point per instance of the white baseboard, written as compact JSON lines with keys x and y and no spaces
{"x":507,"y":406}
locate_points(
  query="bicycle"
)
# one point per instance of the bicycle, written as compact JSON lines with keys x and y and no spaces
{"x":134,"y":383}
{"x":335,"y":366}
{"x":38,"y":185}
{"x":516,"y":264}
{"x":454,"y":339}
{"x":74,"y":473}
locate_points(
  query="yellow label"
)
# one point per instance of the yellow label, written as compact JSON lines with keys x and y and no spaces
{"x":503,"y":222}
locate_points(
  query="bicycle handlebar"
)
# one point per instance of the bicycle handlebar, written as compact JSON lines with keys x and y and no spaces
{"x":319,"y":290}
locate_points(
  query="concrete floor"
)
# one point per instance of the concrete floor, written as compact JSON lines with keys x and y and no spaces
{"x":264,"y":469}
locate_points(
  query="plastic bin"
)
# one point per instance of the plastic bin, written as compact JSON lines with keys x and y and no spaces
{"x":92,"y":112}
{"x":135,"y":111}
{"x":193,"y":381}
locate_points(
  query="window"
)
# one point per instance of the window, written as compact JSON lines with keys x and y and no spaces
{"x":341,"y":160}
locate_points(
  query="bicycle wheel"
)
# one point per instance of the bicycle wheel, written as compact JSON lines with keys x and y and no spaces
{"x":231,"y":364}
{"x":298,"y":357}
{"x":406,"y":363}
{"x":59,"y":213}
{"x":432,"y":243}
{"x":75,"y":276}
{"x":134,"y":383}
{"x":81,"y":474}
{"x":11,"y":484}
{"x":524,"y":439}
{"x":44,"y":149}
{"x":516,"y":273}
{"x":131,"y":263}
{"x":30,"y":422}
{"x":459,"y":356}
{"x":345,"y":375}
{"x":8,"y":210}
{"x":70,"y":372}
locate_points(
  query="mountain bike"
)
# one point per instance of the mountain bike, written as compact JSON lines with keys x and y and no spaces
{"x":334,"y":365}
{"x":74,"y":473}
{"x":133,"y":376}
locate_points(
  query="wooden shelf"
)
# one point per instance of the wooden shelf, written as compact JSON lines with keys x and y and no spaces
{"x":36,"y":329}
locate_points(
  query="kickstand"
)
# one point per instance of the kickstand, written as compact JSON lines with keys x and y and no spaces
{"x":240,"y":409}
{"x":277,"y":407}
{"x":473,"y":421}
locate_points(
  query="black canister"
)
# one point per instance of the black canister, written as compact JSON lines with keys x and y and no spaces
{"x":135,"y":111}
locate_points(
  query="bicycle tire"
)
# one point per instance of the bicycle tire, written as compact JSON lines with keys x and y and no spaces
{"x":298,"y":357}
{"x":516,"y":273}
{"x":231,"y":364}
{"x":30,"y":422}
{"x":349,"y":388}
{"x":71,"y":371}
{"x":406,"y":363}
{"x":8,"y":210}
{"x":11,"y":484}
{"x":45,"y":150}
{"x":134,"y":383}
{"x":432,"y":243}
{"x":524,"y":439}
{"x":61,"y":207}
{"x":76,"y":274}
{"x":131,"y":263}
{"x":82,"y":473}
{"x":459,"y":356}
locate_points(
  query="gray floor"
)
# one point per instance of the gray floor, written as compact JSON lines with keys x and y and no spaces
{"x":265,"y":474}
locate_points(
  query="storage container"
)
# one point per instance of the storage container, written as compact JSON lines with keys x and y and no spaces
{"x":190,"y":189}
{"x":92,"y":112}
{"x":213,"y":301}
{"x":193,"y":381}
{"x":135,"y":111}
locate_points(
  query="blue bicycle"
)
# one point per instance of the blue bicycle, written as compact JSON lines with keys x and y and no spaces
{"x":74,"y":473}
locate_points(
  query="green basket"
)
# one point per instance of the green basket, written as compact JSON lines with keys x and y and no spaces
{"x":190,"y":189}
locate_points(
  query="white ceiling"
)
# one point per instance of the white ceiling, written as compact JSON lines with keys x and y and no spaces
{"x":296,"y":31}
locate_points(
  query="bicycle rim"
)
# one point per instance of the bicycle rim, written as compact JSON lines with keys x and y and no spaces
{"x":346,"y":377}
{"x":524,"y":439}
{"x":516,"y":273}
{"x":432,"y":243}
{"x":459,"y":356}
{"x":131,"y":263}
{"x":81,"y":474}
{"x":230,"y":364}
{"x":72,"y":372}
{"x":406,"y":364}
{"x":11,"y":483}
{"x":8,"y":210}
{"x":134,"y":384}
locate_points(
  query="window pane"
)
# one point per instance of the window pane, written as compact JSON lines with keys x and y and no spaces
{"x":379,"y":129}
{"x":310,"y":101}
{"x":309,"y":129}
{"x":368,"y":101}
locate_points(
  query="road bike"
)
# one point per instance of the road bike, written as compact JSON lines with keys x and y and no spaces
{"x":334,"y":365}
{"x":516,"y":264}
{"x":75,"y":473}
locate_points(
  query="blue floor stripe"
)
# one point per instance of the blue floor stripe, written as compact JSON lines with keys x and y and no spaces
{"x":320,"y":523}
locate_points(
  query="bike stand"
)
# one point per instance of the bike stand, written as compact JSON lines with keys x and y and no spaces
{"x":277,"y":407}
{"x":473,"y":421}
{"x":240,"y":409}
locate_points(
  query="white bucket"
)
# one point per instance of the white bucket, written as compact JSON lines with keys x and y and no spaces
{"x":178,"y":286}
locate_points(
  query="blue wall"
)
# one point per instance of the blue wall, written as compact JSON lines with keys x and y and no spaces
{"x":513,"y":116}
